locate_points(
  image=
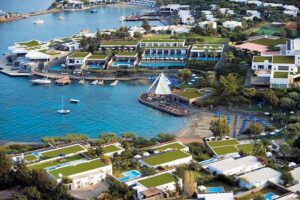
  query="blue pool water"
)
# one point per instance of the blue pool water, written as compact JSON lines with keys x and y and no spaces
{"x":95,"y":67}
{"x":208,"y":161}
{"x":206,"y":59}
{"x":55,"y":68}
{"x":130,"y":175}
{"x":215,"y":189}
{"x":117,"y":63}
{"x":269,"y":196}
{"x":161,"y":64}
{"x":164,"y":56}
{"x":28,"y":112}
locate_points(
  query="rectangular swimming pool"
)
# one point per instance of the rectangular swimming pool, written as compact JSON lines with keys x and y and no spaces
{"x":130,"y":175}
{"x":215,"y":189}
{"x":162,"y":64}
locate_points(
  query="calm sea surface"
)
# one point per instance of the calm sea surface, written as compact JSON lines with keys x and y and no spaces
{"x":28,"y":112}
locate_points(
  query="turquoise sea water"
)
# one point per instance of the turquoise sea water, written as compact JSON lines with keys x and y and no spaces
{"x":28,"y":112}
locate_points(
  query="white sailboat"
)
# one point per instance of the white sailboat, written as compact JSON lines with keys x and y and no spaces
{"x":41,"y":81}
{"x":61,"y":17}
{"x":62,"y":110}
{"x":95,"y":82}
{"x":38,"y":21}
{"x":101,"y":82}
{"x":82,"y":81}
{"x":114,"y":83}
{"x":122,"y":18}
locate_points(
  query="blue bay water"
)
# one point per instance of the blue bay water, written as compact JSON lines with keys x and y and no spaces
{"x":28,"y":112}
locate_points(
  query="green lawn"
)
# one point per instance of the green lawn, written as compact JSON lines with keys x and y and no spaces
{"x":281,"y":75}
{"x":245,"y":147}
{"x":50,"y":52}
{"x":82,"y":167}
{"x":209,"y":39}
{"x":64,"y":150}
{"x":175,"y":146}
{"x":30,"y":157}
{"x":262,"y":58}
{"x":284,"y":59}
{"x":162,"y":40}
{"x":122,"y":53}
{"x":165,"y":157}
{"x":225,"y":150}
{"x":110,"y":148}
{"x":157,"y":180}
{"x":120,"y":43}
{"x":97,"y":57}
{"x":267,"y":30}
{"x":44,"y":165}
{"x":190,"y":93}
{"x":222,"y":142}
{"x":269,"y":42}
{"x":79,"y":54}
{"x":31,"y":43}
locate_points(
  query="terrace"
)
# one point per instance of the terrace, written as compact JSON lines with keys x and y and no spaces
{"x":174,"y":146}
{"x":223,"y":147}
{"x":280,"y":75}
{"x":284,"y":59}
{"x":79,"y":168}
{"x":262,"y":58}
{"x":79,"y":55}
{"x":157,"y":180}
{"x":167,"y":157}
{"x":74,"y":149}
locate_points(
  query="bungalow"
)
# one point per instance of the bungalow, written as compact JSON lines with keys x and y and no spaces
{"x":77,"y":59}
{"x":259,"y":178}
{"x":131,"y":46}
{"x":155,"y":185}
{"x":82,"y":174}
{"x":96,"y":61}
{"x":124,"y":60}
{"x":73,"y":4}
{"x":65,"y":44}
{"x":230,"y":166}
{"x":212,"y":24}
{"x":226,"y":11}
{"x":232,"y":24}
{"x":208,"y":52}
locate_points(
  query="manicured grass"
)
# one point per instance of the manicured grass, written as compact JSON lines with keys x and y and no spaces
{"x":82,"y":167}
{"x":190,"y":93}
{"x":225,"y":150}
{"x":31,"y":43}
{"x":110,"y":148}
{"x":262,"y":58}
{"x":165,"y":157}
{"x":157,"y":180}
{"x":97,"y":57}
{"x":165,"y":47}
{"x":284,"y":59}
{"x":281,"y":75}
{"x":30,"y":157}
{"x":269,"y":42}
{"x":79,"y":55}
{"x":133,"y":54}
{"x":50,"y":52}
{"x":64,"y":150}
{"x":119,"y":43}
{"x":222,"y":147}
{"x":245,"y":147}
{"x":175,"y":146}
{"x":157,"y":37}
{"x":222,"y":143}
{"x":162,"y":40}
{"x":44,"y":165}
{"x":267,"y":30}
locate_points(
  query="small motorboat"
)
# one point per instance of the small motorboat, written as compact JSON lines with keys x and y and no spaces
{"x":82,"y":81}
{"x":65,"y":80}
{"x":101,"y":82}
{"x":95,"y":82}
{"x":38,"y":21}
{"x":62,"y":110}
{"x":122,"y":18}
{"x":74,"y":101}
{"x":61,"y":17}
{"x":93,"y":11}
{"x":41,"y":81}
{"x":113,"y":84}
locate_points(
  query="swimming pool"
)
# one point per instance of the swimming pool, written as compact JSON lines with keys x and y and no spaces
{"x":205,"y":59}
{"x":269,"y":196}
{"x":55,"y":68}
{"x":215,"y":189}
{"x":164,"y":56}
{"x":130,"y":175}
{"x":95,"y":66}
{"x":162,"y":64}
{"x":122,"y":63}
{"x":208,"y":161}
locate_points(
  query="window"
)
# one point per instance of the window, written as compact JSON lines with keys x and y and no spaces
{"x":283,"y":67}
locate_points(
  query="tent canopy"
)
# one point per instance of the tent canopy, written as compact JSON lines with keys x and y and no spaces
{"x":161,"y":85}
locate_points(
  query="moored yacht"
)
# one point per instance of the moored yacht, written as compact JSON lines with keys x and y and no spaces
{"x":114,"y":83}
{"x":95,"y":82}
{"x":41,"y":81}
{"x":38,"y":21}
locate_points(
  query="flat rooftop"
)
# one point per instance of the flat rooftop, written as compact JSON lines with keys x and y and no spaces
{"x":119,"y":43}
{"x":296,"y":173}
{"x":165,"y":157}
{"x":260,"y":175}
{"x":280,"y":75}
{"x":284,"y":59}
{"x":162,"y":40}
{"x":157,"y":180}
{"x":262,"y":58}
{"x":222,"y":147}
{"x":97,"y":57}
{"x":31,"y":43}
{"x":63,"y":151}
{"x":110,"y":148}
{"x":175,"y":146}
{"x":79,"y":55}
{"x":207,"y":47}
{"x":126,"y":54}
{"x":79,"y":168}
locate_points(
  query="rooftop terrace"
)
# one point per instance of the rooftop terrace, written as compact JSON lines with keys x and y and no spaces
{"x":119,"y":43}
{"x":110,"y":148}
{"x":280,"y":75}
{"x":82,"y":167}
{"x":97,"y":57}
{"x":262,"y":58}
{"x":284,"y":59}
{"x":165,"y":157}
{"x":63,"y":151}
{"x":131,"y":54}
{"x":175,"y":146}
{"x":207,"y":47}
{"x":157,"y":180}
{"x":162,"y":40}
{"x":29,"y":44}
{"x":79,"y":54}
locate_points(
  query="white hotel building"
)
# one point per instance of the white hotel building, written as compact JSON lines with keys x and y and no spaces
{"x":283,"y":70}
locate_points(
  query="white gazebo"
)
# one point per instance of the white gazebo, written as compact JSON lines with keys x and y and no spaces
{"x":161,"y":85}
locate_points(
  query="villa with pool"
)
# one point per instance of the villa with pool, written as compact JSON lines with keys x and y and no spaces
{"x":206,"y":52}
{"x":124,"y":60}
